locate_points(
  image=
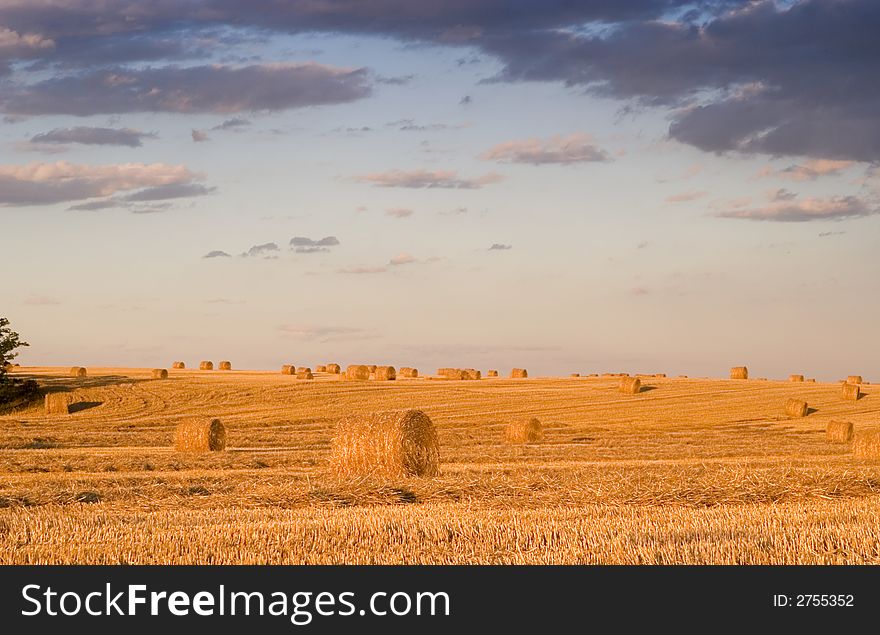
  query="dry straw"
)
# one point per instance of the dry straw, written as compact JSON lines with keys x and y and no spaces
{"x":519,"y":373}
{"x":491,"y":373}
{"x":320,"y":369}
{"x":305,"y":373}
{"x":472,"y":373}
{"x":334,"y":369}
{"x":524,"y":431}
{"x":388,"y":444}
{"x":225,"y":365}
{"x":77,"y":371}
{"x":200,"y":435}
{"x":739,"y":372}
{"x":795,"y":378}
{"x":288,"y":369}
{"x":178,"y":365}
{"x":160,"y":373}
{"x":58,"y":403}
{"x":854,"y":379}
{"x":408,"y":372}
{"x":358,"y":372}
{"x":839,"y":431}
{"x":372,"y":367}
{"x":206,"y":366}
{"x":385,"y":373}
{"x":796,"y":408}
{"x":630,"y":385}
{"x":866,"y":445}
{"x":850,"y":392}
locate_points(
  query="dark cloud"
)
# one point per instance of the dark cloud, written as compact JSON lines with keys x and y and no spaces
{"x":303,"y":245}
{"x":94,"y":136}
{"x":264,"y":250}
{"x":165,"y":192}
{"x":235,"y":123}
{"x":500,"y":247}
{"x":216,"y":254}
{"x":92,"y":206}
{"x":199,"y":136}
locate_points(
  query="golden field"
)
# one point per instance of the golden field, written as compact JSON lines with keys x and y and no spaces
{"x":689,"y":471}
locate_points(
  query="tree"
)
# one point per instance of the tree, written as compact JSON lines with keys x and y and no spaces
{"x":9,"y":341}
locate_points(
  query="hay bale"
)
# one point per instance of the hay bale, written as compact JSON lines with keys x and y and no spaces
{"x":334,"y":369}
{"x":660,"y":375}
{"x":795,"y":378}
{"x":739,"y":372}
{"x":866,"y":444}
{"x":200,"y":435}
{"x":206,"y":366}
{"x":320,"y":369}
{"x":575,"y":375}
{"x":839,"y":431}
{"x":442,"y":372}
{"x":159,"y":373}
{"x":178,"y":365}
{"x":682,"y":376}
{"x":593,"y":375}
{"x":372,"y":367}
{"x":519,"y":373}
{"x":854,"y":379}
{"x":358,"y":372}
{"x":288,"y":369}
{"x":524,"y":431}
{"x":850,"y":392}
{"x":389,"y":444}
{"x":225,"y":365}
{"x":455,"y":374}
{"x":630,"y":385}
{"x":385,"y":373}
{"x":491,"y":373}
{"x":302,"y":369}
{"x":796,"y":408}
{"x":58,"y":403}
{"x":77,"y":371}
{"x":305,"y":373}
{"x":472,"y":373}
{"x":410,"y":373}
{"x":811,"y":381}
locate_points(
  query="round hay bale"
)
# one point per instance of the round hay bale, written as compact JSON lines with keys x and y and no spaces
{"x":320,"y":369}
{"x":630,"y":385}
{"x":200,"y":435}
{"x":850,"y":392}
{"x":491,"y":373}
{"x":519,"y":373}
{"x":575,"y":375}
{"x":385,"y":373}
{"x":178,"y":365}
{"x":58,"y":403}
{"x":442,"y":372}
{"x":288,"y":369}
{"x":306,"y":373}
{"x":811,"y":381}
{"x":454,"y":374}
{"x":866,"y":444}
{"x":410,"y":373}
{"x":372,"y":367}
{"x":854,"y":379}
{"x":795,"y":378}
{"x":682,"y":376}
{"x":206,"y":366}
{"x":660,"y":375}
{"x":739,"y":372}
{"x":159,"y":373}
{"x":302,"y":369}
{"x":78,"y":371}
{"x":389,"y":444}
{"x":334,"y":369}
{"x":225,"y":365}
{"x":357,"y":372}
{"x":796,"y":408}
{"x":524,"y":431}
{"x":472,"y":373}
{"x":839,"y":431}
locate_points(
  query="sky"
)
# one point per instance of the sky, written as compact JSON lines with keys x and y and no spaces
{"x":651,"y":186}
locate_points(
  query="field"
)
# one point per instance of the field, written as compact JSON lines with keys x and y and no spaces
{"x":689,"y":471}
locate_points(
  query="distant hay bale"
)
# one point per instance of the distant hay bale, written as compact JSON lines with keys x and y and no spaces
{"x":524,"y":431}
{"x":388,"y":444}
{"x":519,"y":373}
{"x":58,"y":403}
{"x":178,"y":365}
{"x":795,"y":378}
{"x":372,"y":367}
{"x":159,"y":373}
{"x":796,"y":408}
{"x":77,"y":371}
{"x":288,"y":369}
{"x":682,"y":376}
{"x":854,"y":379}
{"x":866,"y":444}
{"x":575,"y":375}
{"x":630,"y":385}
{"x":454,"y":373}
{"x":839,"y":431}
{"x":739,"y":372}
{"x":206,"y":366}
{"x":358,"y":372}
{"x":302,"y":369}
{"x":200,"y":435}
{"x":334,"y":369}
{"x":593,"y":375}
{"x":491,"y":373}
{"x":225,"y":365}
{"x":472,"y":373}
{"x":385,"y":373}
{"x":320,"y":369}
{"x":410,"y":373}
{"x":305,"y":373}
{"x":811,"y":380}
{"x":660,"y":375}
{"x":442,"y":372}
{"x":850,"y":392}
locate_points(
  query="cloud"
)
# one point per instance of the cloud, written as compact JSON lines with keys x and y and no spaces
{"x":216,"y":254}
{"x":323,"y":333}
{"x":808,"y":209}
{"x":827,"y":234}
{"x":40,"y":300}
{"x":637,"y":291}
{"x":93,"y":136}
{"x":195,"y":89}
{"x":92,"y":206}
{"x":418,"y":179}
{"x":199,"y":136}
{"x":559,"y":150}
{"x":809,"y":171}
{"x":303,"y":245}
{"x":410,"y":125}
{"x":362,"y":270}
{"x":49,"y":183}
{"x":399,"y":212}
{"x":500,"y":247}
{"x":685,"y":197}
{"x":261,"y":250}
{"x":235,"y":123}
{"x":402,"y":259}
{"x":781,"y":194}
{"x":165,"y":192}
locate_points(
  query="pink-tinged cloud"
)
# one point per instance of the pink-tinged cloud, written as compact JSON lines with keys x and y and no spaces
{"x":399,"y":212}
{"x":809,"y":171}
{"x":419,"y":179}
{"x":362,"y":270}
{"x":685,"y":197}
{"x":560,"y":150}
{"x":14,"y":44}
{"x":402,"y":259}
{"x":808,"y":209}
{"x":639,"y":291}
{"x":40,"y":300}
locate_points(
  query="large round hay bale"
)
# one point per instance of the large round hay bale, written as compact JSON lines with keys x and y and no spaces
{"x":389,"y":444}
{"x":850,"y":392}
{"x":58,"y":403}
{"x":473,"y":373}
{"x":200,"y":435}
{"x":159,"y":373}
{"x":206,"y":366}
{"x":178,"y":365}
{"x":739,"y":372}
{"x":839,"y":431}
{"x":334,"y":369}
{"x":854,"y":379}
{"x":410,"y":373}
{"x":321,"y":369}
{"x":795,"y":378}
{"x":491,"y":373}
{"x":630,"y":385}
{"x":78,"y":371}
{"x":454,"y":374}
{"x":225,"y":365}
{"x":358,"y":372}
{"x":519,"y":373}
{"x":524,"y":431}
{"x":305,"y":373}
{"x":866,"y":444}
{"x":302,"y":369}
{"x":385,"y":373}
{"x":796,"y":408}
{"x":288,"y":369}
